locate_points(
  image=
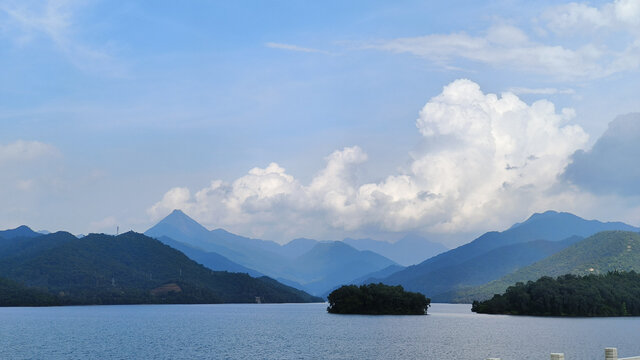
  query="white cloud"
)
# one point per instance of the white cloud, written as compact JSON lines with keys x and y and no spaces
{"x":488,"y":160}
{"x":21,"y":151}
{"x":569,"y":51}
{"x":290,"y":47}
{"x":575,"y":17}
{"x":508,"y":46}
{"x":54,"y":20}
{"x":541,"y":91}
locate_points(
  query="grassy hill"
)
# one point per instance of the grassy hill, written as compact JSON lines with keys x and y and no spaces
{"x":598,"y":254}
{"x":128,"y":269}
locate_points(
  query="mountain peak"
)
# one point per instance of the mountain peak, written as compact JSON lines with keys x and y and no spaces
{"x":544,"y":215}
{"x":20,"y":231}
{"x":177,"y":213}
{"x":177,"y":222}
{"x":549,"y":215}
{"x":176,"y":216}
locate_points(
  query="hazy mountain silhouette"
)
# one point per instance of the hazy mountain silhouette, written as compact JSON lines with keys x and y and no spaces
{"x":603,"y":252}
{"x":20,"y":231}
{"x":331,"y":264}
{"x":409,"y":250}
{"x":213,"y":261}
{"x":450,"y":270}
{"x":308,"y":264}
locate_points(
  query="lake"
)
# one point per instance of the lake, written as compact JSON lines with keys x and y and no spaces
{"x":301,"y":331}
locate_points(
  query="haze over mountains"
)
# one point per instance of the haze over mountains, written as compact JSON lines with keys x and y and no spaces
{"x":495,"y":254}
{"x":603,"y":252}
{"x":311,"y":265}
{"x":409,"y":250}
{"x":319,"y":267}
{"x":549,"y":243}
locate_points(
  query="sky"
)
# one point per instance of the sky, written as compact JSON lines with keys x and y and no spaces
{"x":330,"y":119}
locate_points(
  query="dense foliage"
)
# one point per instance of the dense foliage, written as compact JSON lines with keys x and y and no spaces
{"x":377,"y":299}
{"x":613,"y":294}
{"x":126,"y":269}
{"x":14,"y":294}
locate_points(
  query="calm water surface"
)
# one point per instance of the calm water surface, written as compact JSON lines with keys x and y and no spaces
{"x":300,"y":331}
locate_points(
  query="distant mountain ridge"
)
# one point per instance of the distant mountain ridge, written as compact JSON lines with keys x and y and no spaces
{"x":330,"y":264}
{"x":20,"y":231}
{"x":603,"y":252}
{"x":212,"y":260}
{"x":409,"y":250}
{"x":129,"y":268}
{"x":311,"y":265}
{"x":436,"y":277}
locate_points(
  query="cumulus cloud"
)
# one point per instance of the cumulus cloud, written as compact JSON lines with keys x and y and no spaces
{"x":486,"y":160}
{"x":610,"y":167}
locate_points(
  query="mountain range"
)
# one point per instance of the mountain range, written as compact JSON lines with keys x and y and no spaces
{"x":495,"y":254}
{"x":124,"y":269}
{"x":310,"y":265}
{"x":549,"y":243}
{"x":601,"y":253}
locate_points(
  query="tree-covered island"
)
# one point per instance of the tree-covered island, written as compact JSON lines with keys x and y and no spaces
{"x":377,"y":299}
{"x":613,"y":294}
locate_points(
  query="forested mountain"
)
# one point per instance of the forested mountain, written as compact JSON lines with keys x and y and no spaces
{"x":613,"y":294}
{"x":129,"y":268}
{"x":444,"y":282}
{"x":494,"y":254}
{"x":15,"y":294}
{"x":304,"y":263}
{"x":20,"y":231}
{"x":598,"y":254}
{"x":411,"y":249}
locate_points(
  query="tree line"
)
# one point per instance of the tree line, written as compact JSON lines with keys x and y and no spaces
{"x":616,"y":293}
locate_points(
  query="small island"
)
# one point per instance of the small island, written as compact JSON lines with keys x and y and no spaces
{"x":613,"y":294}
{"x":377,"y":299}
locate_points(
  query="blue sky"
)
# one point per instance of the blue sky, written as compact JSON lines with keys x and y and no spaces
{"x":106,"y":108}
